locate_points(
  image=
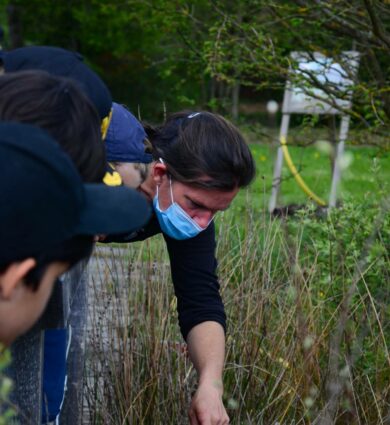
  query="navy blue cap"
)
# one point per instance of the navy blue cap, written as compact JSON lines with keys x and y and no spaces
{"x":61,"y":62}
{"x":43,"y":200}
{"x":125,"y":137}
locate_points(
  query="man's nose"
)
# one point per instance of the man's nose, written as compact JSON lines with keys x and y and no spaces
{"x":204,"y":219}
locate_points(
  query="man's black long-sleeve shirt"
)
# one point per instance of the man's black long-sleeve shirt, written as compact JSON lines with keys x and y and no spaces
{"x":193,"y":269}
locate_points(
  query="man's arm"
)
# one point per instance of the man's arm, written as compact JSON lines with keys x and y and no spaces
{"x":202,"y":320}
{"x":206,"y":346}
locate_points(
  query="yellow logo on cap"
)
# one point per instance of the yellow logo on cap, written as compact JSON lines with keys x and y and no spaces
{"x":105,"y":124}
{"x":112,"y":179}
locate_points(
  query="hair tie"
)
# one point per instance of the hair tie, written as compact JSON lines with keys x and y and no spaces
{"x":194,"y":114}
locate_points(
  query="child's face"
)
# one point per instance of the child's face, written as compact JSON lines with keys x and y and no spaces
{"x":20,"y":306}
{"x":132,"y":174}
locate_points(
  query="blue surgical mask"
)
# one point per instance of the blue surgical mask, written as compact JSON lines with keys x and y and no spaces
{"x":174,"y":221}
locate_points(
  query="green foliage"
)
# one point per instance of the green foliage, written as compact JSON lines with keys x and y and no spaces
{"x":284,"y":283}
{"x":252,"y":43}
{"x":183,"y":54}
{"x":6,"y":411}
{"x":290,"y":305}
{"x":136,"y":47}
{"x":365,"y":181}
{"x":338,"y":241}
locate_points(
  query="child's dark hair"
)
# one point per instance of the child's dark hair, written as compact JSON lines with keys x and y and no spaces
{"x":204,"y":150}
{"x":71,"y":252}
{"x":59,"y":106}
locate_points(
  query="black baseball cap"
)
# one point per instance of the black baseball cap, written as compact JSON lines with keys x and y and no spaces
{"x":43,"y":200}
{"x":61,"y":62}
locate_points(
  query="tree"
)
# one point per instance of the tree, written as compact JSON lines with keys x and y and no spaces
{"x":140,"y":48}
{"x":199,"y":53}
{"x":268,"y":31}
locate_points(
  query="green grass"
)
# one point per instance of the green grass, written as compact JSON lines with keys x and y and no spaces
{"x":364,"y":180}
{"x":285,"y":284}
{"x":289,"y":286}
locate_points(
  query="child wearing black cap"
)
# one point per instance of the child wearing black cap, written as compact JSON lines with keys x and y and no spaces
{"x":60,"y":107}
{"x":57,"y":105}
{"x":47,"y":221}
{"x":64,"y":63}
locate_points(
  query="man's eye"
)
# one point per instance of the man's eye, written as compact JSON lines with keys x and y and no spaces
{"x":193,"y":204}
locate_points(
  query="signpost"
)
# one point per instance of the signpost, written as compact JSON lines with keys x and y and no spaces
{"x":302,"y":96}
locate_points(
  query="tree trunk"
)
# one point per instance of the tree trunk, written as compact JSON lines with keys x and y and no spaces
{"x":15,"y":27}
{"x":235,"y":101}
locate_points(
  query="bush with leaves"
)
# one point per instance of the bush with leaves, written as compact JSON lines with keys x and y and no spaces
{"x":6,"y":410}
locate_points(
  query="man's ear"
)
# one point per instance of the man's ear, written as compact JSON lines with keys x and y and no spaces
{"x":13,"y":275}
{"x":158,"y":172}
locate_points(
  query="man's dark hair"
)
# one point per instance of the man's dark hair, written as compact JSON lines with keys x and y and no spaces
{"x":204,"y":150}
{"x":71,"y":252}
{"x":57,"y":105}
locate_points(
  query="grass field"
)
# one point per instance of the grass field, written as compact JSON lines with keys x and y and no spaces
{"x":307,"y":300}
{"x":365,"y":179}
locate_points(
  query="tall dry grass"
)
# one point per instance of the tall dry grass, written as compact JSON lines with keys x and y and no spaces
{"x":307,"y":301}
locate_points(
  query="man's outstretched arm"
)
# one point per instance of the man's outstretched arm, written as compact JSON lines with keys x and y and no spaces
{"x":206,"y":346}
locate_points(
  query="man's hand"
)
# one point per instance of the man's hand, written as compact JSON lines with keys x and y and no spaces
{"x":206,"y":346}
{"x":207,"y":407}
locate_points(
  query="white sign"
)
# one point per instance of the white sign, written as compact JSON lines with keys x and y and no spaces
{"x":303,"y":97}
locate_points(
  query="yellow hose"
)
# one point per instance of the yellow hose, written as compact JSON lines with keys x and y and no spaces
{"x":297,"y":176}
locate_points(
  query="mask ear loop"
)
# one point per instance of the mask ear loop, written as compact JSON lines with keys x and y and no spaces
{"x":170,"y":183}
{"x":162,"y":162}
{"x":170,"y":186}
